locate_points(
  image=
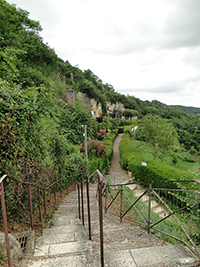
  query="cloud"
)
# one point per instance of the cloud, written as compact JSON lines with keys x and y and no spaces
{"x":147,"y":48}
{"x":182,"y":25}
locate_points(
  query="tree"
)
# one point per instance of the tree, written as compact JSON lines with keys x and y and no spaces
{"x":129,"y":113}
{"x":160,"y":134}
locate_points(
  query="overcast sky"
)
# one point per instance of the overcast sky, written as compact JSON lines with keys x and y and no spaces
{"x":146,"y":48}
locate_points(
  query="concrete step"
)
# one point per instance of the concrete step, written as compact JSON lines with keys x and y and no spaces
{"x":65,"y":220}
{"x":62,"y":249}
{"x":143,"y":257}
{"x":62,"y":238}
{"x":73,"y":228}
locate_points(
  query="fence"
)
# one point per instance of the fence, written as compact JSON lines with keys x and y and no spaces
{"x":42,"y":202}
{"x":38,"y":202}
{"x":100,"y":187}
{"x":143,"y":203}
{"x":173,"y":213}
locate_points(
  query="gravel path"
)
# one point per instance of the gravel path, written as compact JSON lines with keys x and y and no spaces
{"x":116,"y":174}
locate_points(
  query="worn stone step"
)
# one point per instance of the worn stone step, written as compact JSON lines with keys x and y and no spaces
{"x":139,"y":192}
{"x":65,"y":261}
{"x":159,"y":210}
{"x":133,"y":186}
{"x":61,"y":238}
{"x":73,"y":228}
{"x":62,"y":249}
{"x":143,"y":257}
{"x":65,"y":220}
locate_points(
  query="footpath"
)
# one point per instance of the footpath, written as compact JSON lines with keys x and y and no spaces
{"x":66,"y":242}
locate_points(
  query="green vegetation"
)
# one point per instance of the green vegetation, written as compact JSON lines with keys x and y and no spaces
{"x":159,"y":134}
{"x":191,"y":110}
{"x":170,"y":226}
{"x":41,"y":134}
{"x":103,"y":163}
{"x":133,"y":154}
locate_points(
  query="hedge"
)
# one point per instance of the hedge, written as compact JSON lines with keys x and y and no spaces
{"x":131,"y":160}
{"x":103,"y":164}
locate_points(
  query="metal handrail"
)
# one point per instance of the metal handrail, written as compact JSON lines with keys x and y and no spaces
{"x":151,"y":191}
{"x":30,"y":205}
{"x":101,"y":184}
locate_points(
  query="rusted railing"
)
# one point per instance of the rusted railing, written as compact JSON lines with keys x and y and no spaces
{"x":39,"y":189}
{"x":5,"y":220}
{"x":101,"y":185}
{"x":152,"y":206}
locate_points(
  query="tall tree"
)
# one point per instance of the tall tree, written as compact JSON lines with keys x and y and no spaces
{"x":159,"y":133}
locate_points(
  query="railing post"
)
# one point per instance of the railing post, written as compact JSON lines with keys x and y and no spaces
{"x":55,"y":193}
{"x":5,"y":221}
{"x":105,"y":200}
{"x":82,"y":203}
{"x":79,"y":204}
{"x":121,"y":195}
{"x":60,"y":187}
{"x":149,"y":211}
{"x":40,"y":217}
{"x":88,"y":205}
{"x":44,"y":199}
{"x":101,"y":222}
{"x":30,"y":204}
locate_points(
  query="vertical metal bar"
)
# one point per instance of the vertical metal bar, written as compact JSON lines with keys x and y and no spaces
{"x":149,"y":213}
{"x":105,"y":200}
{"x":5,"y":224}
{"x":82,"y":203}
{"x":121,"y":194}
{"x":61,"y":188}
{"x":55,"y":193}
{"x":88,"y":205}
{"x":30,"y":203}
{"x":86,"y":154}
{"x":79,"y":204}
{"x":44,"y":199}
{"x":101,"y":224}
{"x":40,"y":217}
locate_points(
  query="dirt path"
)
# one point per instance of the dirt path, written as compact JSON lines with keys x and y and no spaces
{"x":116,"y":174}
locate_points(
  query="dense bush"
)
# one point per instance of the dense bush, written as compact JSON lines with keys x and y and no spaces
{"x":95,"y":149}
{"x":103,"y":163}
{"x":160,"y":172}
{"x":131,"y":160}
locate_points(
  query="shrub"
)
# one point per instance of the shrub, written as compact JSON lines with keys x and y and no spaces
{"x":95,"y":149}
{"x":103,"y":163}
{"x":131,"y":160}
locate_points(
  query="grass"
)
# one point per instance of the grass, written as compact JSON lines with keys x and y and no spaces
{"x":169,"y":226}
{"x":3,"y":256}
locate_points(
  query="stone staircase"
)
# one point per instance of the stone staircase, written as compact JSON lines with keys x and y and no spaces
{"x":66,"y":242}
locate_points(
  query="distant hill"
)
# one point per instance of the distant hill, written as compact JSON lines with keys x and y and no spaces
{"x":191,"y":110}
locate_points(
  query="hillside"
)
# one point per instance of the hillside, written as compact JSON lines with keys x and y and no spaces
{"x":40,"y":133}
{"x":191,"y":110}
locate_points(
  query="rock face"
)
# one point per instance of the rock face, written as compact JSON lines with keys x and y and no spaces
{"x":96,"y":108}
{"x":15,"y":248}
{"x":119,"y":107}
